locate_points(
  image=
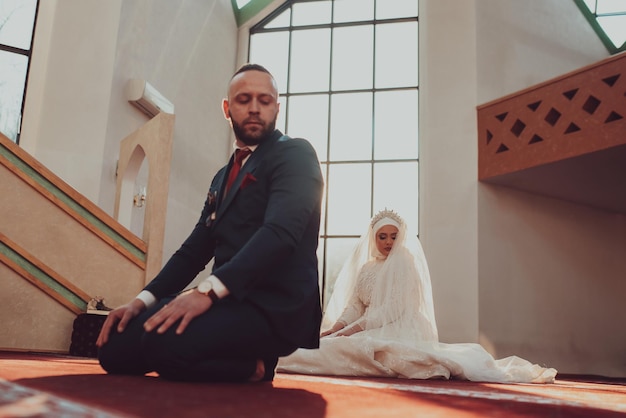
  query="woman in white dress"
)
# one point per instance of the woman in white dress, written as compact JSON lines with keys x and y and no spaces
{"x":380,"y":320}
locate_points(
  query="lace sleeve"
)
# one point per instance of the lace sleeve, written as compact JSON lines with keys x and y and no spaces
{"x":355,"y":307}
{"x":378,"y":316}
{"x":401,"y":300}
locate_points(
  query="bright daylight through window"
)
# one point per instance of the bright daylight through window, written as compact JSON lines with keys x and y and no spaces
{"x":347,"y":72}
{"x":17,"y":19}
{"x":608,"y":18}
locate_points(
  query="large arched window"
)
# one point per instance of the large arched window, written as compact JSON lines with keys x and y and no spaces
{"x":347,"y":72}
{"x":17,"y":23}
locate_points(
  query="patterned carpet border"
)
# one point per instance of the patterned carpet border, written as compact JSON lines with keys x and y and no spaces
{"x":20,"y":401}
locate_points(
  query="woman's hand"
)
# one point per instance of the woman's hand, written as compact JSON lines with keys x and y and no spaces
{"x":346,"y":332}
{"x":335,"y":328}
{"x":327,"y":332}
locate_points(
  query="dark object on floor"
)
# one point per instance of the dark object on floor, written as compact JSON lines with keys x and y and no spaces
{"x":85,"y":333}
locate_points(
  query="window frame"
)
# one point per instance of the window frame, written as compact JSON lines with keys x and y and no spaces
{"x":28,"y":53}
{"x":326,"y":162}
{"x":592,"y":18}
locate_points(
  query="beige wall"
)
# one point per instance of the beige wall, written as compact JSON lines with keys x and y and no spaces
{"x":67,"y":103}
{"x":525,"y":275}
{"x":187,"y":51}
{"x":520,"y":44}
{"x":77,"y":113}
{"x":551,"y":273}
{"x":552,"y":281}
{"x":448,"y":163}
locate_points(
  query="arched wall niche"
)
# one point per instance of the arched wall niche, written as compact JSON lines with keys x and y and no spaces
{"x":145,"y":158}
{"x":132,"y":197}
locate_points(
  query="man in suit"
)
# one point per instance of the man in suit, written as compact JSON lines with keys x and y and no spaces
{"x":261,"y":300}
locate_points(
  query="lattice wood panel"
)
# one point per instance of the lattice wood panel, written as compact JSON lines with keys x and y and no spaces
{"x":575,"y":114}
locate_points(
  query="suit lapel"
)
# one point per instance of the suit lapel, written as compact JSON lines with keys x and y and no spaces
{"x":248,"y":168}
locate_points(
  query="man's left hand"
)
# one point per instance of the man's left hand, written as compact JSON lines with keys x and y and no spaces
{"x":184,"y":307}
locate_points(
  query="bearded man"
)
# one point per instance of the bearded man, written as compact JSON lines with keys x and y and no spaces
{"x":260,"y":224}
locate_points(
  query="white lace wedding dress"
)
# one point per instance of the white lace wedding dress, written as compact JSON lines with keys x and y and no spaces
{"x":399,"y":337}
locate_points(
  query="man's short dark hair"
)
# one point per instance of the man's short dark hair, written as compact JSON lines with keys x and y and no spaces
{"x":251,"y":67}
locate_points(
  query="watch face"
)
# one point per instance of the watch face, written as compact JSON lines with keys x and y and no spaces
{"x":205,"y":286}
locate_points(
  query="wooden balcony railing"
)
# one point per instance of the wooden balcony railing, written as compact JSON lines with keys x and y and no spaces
{"x":579,"y":114}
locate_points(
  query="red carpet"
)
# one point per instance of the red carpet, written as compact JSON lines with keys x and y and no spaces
{"x":46,"y":385}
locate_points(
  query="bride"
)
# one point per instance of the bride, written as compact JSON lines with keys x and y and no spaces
{"x":380,"y":321}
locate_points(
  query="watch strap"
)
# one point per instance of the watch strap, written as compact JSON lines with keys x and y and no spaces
{"x":211,"y":294}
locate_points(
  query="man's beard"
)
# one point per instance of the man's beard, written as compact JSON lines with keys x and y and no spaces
{"x":252,"y":138}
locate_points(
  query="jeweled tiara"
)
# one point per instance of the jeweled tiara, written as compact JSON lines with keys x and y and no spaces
{"x":386,"y":214}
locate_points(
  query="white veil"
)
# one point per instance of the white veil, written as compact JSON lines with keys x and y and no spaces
{"x":391,"y":299}
{"x":401,"y":305}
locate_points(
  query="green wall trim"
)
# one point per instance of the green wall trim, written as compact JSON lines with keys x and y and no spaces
{"x":248,"y":11}
{"x":44,"y":278}
{"x":72,"y":204}
{"x":591,"y":18}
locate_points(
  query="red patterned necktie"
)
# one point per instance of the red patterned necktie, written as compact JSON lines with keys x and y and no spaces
{"x":240,"y":155}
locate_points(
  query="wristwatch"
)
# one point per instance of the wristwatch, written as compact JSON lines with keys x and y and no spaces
{"x":206,"y":288}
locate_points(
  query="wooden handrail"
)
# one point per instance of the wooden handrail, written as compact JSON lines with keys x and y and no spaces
{"x":37,"y":273}
{"x":72,"y":202}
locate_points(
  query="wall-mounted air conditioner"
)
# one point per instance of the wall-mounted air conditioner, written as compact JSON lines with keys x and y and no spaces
{"x":143,"y":95}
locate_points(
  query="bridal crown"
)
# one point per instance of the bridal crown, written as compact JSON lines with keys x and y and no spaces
{"x":389,"y":214}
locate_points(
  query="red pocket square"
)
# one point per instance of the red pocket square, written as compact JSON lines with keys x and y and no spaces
{"x":249,"y":178}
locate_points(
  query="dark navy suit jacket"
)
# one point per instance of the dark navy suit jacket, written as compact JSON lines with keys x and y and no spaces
{"x":263,"y":235}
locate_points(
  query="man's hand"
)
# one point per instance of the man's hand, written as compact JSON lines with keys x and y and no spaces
{"x":120,"y":316}
{"x":185,"y":307}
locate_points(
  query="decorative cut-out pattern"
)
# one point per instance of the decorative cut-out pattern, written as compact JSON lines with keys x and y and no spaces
{"x":518,"y":128}
{"x":591,"y":105}
{"x":578,"y":113}
{"x":570,"y":94}
{"x":613,"y":117}
{"x":572,"y":128}
{"x":553,"y":116}
{"x":501,"y":116}
{"x":610,"y":81}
